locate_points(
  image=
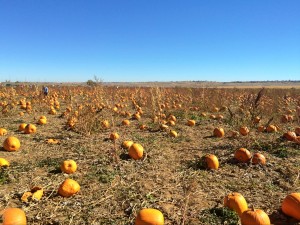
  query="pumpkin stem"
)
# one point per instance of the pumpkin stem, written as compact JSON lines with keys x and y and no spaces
{"x":252,"y":207}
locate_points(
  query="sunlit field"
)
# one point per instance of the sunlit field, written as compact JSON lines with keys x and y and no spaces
{"x":190,"y":149}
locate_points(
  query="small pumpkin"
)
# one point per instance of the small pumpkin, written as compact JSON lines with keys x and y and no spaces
{"x":22,"y":126}
{"x":149,"y":216}
{"x":291,"y":205}
{"x":191,"y":123}
{"x":236,"y":202}
{"x":11,"y":144}
{"x":14,"y":216}
{"x":3,"y":131}
{"x":261,"y":128}
{"x":114,"y":136}
{"x":211,"y":161}
{"x":125,"y":122}
{"x":259,"y":158}
{"x":219,"y":132}
{"x":272,"y":129}
{"x":105,"y":124}
{"x":3,"y":162}
{"x":290,"y":135}
{"x":136,"y":151}
{"x":255,"y":217}
{"x":173,"y":133}
{"x":244,"y":131}
{"x":68,"y":188}
{"x":68,"y":166}
{"x":30,"y":129}
{"x":42,"y":121}
{"x":127,"y":144}
{"x":242,"y":155}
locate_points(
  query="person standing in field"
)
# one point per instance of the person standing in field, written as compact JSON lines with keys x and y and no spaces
{"x":45,"y":90}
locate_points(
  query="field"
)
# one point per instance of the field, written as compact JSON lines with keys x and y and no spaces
{"x":171,"y":175}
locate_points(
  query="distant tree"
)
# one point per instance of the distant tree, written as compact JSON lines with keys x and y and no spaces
{"x":91,"y":83}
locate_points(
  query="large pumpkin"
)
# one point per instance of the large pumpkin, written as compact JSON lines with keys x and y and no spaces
{"x":149,"y":217}
{"x":211,"y":162}
{"x":291,"y":205}
{"x":11,"y":144}
{"x":68,"y":188}
{"x":242,"y":155}
{"x":236,"y":202}
{"x":255,"y":217}
{"x":14,"y":216}
{"x":219,"y":132}
{"x":136,"y":151}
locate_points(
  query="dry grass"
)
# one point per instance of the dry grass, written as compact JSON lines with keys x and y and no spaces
{"x":114,"y":187}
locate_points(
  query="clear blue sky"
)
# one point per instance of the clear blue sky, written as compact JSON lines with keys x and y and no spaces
{"x":149,"y":40}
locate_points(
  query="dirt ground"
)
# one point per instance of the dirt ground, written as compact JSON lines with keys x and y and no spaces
{"x":170,"y":177}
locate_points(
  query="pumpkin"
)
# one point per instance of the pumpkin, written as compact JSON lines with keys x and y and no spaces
{"x":14,"y":216}
{"x":149,"y":217}
{"x":290,"y":136}
{"x":271,"y":129}
{"x":255,"y":217}
{"x":261,"y":128}
{"x":3,"y":162}
{"x":126,"y":122}
{"x":258,"y":158}
{"x":3,"y":131}
{"x":211,"y":161}
{"x":105,"y":124}
{"x":22,"y":126}
{"x":42,"y":121}
{"x":143,"y":127}
{"x":136,"y":151}
{"x":30,"y":129}
{"x":235,"y":201}
{"x":291,"y":205}
{"x":256,"y":119}
{"x":219,"y":132}
{"x":173,"y":133}
{"x":244,"y":131}
{"x":11,"y":144}
{"x":173,"y":118}
{"x":171,"y":123}
{"x":127,"y":144}
{"x":114,"y":136}
{"x":242,"y":155}
{"x":191,"y":123}
{"x":68,"y":188}
{"x":68,"y":166}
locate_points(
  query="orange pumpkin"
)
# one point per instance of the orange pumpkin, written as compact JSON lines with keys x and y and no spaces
{"x":173,"y":133}
{"x":3,"y":162}
{"x":22,"y":126}
{"x":11,"y":144}
{"x":290,"y":136}
{"x":114,"y":136}
{"x":242,"y":155}
{"x":149,"y":217}
{"x":105,"y":124}
{"x":3,"y":131}
{"x":68,"y":188}
{"x":259,"y":158}
{"x":127,"y":144}
{"x":42,"y":121}
{"x":255,"y":217}
{"x":219,"y":132}
{"x":30,"y":129}
{"x":191,"y":123}
{"x":14,"y":216}
{"x":236,"y":202}
{"x":271,"y":129}
{"x":244,"y":131}
{"x":136,"y":151}
{"x":211,"y":161}
{"x":291,"y":205}
{"x":261,"y":128}
{"x":126,"y":122}
{"x":68,"y":166}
